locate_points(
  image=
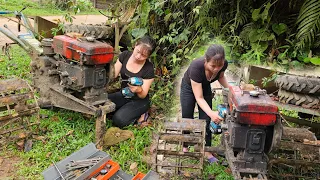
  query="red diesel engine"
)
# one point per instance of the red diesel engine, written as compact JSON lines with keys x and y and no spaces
{"x":78,"y":67}
{"x":251,"y":123}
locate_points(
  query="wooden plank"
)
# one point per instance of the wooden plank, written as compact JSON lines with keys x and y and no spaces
{"x":315,"y":112}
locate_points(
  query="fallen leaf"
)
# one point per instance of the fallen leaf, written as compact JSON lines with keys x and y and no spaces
{"x":20,"y":145}
{"x":134,"y":168}
{"x":22,"y":135}
{"x":55,"y":118}
{"x":39,"y":138}
{"x":228,"y":171}
{"x":187,"y":174}
{"x":48,"y":154}
{"x":70,"y":132}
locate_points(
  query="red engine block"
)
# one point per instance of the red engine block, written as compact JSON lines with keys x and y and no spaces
{"x":258,"y":110}
{"x":90,"y":53}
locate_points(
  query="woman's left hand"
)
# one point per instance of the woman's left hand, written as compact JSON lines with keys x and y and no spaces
{"x":135,"y":89}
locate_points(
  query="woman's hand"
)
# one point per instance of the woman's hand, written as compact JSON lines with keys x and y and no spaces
{"x":215,"y":117}
{"x":135,"y":89}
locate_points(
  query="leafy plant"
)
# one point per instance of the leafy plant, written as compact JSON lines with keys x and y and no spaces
{"x":266,"y":80}
{"x":308,"y":23}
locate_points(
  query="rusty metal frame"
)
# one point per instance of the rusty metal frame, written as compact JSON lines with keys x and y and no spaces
{"x":17,"y":103}
{"x":174,"y":136}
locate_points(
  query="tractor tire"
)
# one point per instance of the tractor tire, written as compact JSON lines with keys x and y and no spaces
{"x":305,"y":85}
{"x":297,"y":99}
{"x":98,"y":31}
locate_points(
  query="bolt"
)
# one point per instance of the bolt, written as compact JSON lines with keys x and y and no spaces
{"x":103,"y":172}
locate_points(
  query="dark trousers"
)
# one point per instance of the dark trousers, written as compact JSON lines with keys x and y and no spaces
{"x":188,"y":102}
{"x":128,"y":110}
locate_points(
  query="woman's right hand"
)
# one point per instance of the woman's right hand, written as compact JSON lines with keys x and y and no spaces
{"x":215,"y":117}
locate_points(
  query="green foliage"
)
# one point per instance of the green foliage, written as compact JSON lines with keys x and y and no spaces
{"x":266,"y":80}
{"x":263,"y":16}
{"x":279,"y":28}
{"x":145,"y":8}
{"x":315,"y":60}
{"x":47,"y":7}
{"x":74,"y":5}
{"x":217,"y":172}
{"x":308,"y":23}
{"x":33,"y":8}
{"x":19,"y":66}
{"x":133,"y":150}
{"x":139,"y":32}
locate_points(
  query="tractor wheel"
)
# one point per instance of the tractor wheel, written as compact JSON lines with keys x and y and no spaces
{"x":303,"y":100}
{"x":99,"y":31}
{"x":305,"y":85}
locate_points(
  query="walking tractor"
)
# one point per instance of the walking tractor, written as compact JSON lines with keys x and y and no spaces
{"x":70,"y":71}
{"x":252,"y":129}
{"x":252,"y":140}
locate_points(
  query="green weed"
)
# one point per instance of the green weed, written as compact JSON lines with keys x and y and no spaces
{"x":37,"y":9}
{"x":18,"y":66}
{"x":133,"y":150}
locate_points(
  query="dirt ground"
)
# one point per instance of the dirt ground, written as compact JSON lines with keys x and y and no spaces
{"x":8,"y":166}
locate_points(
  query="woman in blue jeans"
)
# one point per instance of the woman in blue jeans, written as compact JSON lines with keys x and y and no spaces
{"x":195,"y":88}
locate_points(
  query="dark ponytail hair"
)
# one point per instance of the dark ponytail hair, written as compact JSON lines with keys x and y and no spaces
{"x":149,"y":43}
{"x":215,"y":52}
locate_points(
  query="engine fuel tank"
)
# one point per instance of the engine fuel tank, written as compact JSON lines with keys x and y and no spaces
{"x":86,"y":52}
{"x":257,"y":109}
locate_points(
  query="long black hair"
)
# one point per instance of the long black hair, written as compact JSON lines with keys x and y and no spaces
{"x":149,"y":43}
{"x":215,"y":52}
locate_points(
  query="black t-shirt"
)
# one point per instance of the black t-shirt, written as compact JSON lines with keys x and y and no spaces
{"x":146,"y":71}
{"x":197,"y":73}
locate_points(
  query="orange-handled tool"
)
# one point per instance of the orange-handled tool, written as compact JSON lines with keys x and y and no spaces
{"x":138,"y":176}
{"x":110,"y":168}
